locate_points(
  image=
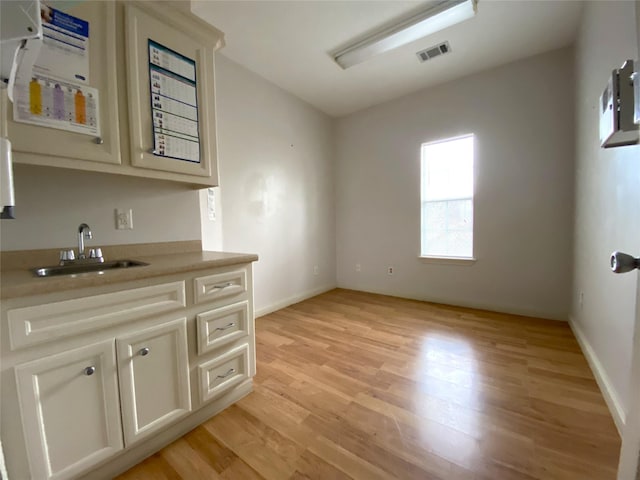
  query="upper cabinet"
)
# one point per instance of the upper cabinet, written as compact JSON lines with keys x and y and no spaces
{"x":177,"y":68}
{"x":56,"y":144}
{"x":152,"y":65}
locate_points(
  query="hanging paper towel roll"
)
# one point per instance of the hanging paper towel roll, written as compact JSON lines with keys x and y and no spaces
{"x":7,"y":199}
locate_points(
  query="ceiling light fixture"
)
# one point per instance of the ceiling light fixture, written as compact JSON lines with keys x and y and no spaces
{"x":433,"y":19}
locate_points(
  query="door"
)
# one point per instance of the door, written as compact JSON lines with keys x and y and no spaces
{"x":154,"y":378}
{"x":70,"y":410}
{"x":628,"y":469}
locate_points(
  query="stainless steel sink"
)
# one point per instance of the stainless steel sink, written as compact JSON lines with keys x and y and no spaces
{"x":74,"y":269}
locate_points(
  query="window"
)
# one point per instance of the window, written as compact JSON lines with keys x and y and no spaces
{"x":447,"y":198}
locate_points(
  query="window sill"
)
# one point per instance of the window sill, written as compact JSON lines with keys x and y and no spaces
{"x":466,"y":261}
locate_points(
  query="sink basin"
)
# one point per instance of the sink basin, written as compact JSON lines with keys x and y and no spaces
{"x":73,"y":269}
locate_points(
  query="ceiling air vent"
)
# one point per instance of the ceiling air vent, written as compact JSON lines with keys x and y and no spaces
{"x":435,"y":51}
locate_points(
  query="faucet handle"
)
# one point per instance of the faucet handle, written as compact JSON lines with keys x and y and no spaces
{"x":95,"y":253}
{"x":66,"y":255}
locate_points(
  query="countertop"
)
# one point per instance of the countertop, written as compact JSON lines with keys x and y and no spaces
{"x":163,"y":259}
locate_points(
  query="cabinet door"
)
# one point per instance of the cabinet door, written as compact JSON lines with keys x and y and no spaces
{"x":182,"y":43}
{"x":70,"y":410}
{"x":49,"y":142}
{"x":154,"y":378}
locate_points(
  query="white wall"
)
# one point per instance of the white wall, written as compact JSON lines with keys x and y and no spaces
{"x":607,"y":205}
{"x":52,"y":202}
{"x":522,"y":116}
{"x":276,"y":156}
{"x":276,"y":169}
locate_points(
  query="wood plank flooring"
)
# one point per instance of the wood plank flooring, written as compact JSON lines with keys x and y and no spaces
{"x":363,"y":386}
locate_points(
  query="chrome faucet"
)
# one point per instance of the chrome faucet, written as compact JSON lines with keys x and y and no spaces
{"x":83,"y":231}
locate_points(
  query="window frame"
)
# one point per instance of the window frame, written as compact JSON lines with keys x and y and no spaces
{"x":444,"y":259}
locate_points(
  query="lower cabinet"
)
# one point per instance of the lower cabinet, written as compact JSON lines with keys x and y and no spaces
{"x":154,"y":378}
{"x":99,"y":380}
{"x":70,"y":410}
{"x":71,"y":403}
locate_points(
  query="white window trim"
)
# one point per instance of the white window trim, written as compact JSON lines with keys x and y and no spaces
{"x":463,"y":261}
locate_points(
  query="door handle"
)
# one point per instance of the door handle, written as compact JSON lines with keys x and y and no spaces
{"x":623,"y":262}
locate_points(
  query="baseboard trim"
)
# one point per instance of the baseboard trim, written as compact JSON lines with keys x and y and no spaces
{"x":608,"y":392}
{"x":457,"y":303}
{"x":291,"y":300}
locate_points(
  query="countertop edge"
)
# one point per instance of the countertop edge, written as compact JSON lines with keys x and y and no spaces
{"x":22,"y":283}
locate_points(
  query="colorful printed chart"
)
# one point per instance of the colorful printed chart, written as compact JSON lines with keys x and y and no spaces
{"x":56,"y":104}
{"x":57,"y":95}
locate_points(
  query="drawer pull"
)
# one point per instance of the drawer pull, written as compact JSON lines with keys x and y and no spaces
{"x":90,"y":370}
{"x":221,"y":287}
{"x":144,"y":351}
{"x":231,"y":371}
{"x":226,"y":327}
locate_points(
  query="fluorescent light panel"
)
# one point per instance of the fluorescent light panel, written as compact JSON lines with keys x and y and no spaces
{"x":433,"y":19}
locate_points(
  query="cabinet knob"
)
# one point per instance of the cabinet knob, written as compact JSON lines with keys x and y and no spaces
{"x":98,"y":140}
{"x":144,"y":351}
{"x":90,"y":370}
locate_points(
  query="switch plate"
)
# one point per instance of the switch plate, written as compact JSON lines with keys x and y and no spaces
{"x":124,"y":219}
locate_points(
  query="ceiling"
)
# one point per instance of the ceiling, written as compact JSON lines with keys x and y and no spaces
{"x":289,"y":44}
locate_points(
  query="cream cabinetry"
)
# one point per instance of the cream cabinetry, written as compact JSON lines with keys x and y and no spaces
{"x":70,"y":409}
{"x":141,"y":28}
{"x":223,"y":372}
{"x":95,"y":380}
{"x":154,"y":378}
{"x":119,"y":69}
{"x":32,"y":141}
{"x":70,"y":402}
{"x":225,"y":324}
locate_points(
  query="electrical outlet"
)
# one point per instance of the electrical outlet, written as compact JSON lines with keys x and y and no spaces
{"x":358,"y":268}
{"x":390,"y":270}
{"x":316,"y":270}
{"x":124,"y":219}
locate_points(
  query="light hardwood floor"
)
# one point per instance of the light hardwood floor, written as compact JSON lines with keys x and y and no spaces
{"x":363,"y":386}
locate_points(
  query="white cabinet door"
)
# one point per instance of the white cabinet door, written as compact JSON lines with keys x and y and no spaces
{"x":175,"y":115}
{"x":154,"y":378}
{"x":70,"y":410}
{"x":49,"y":142}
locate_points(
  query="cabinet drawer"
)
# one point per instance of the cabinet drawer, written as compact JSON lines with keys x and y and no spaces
{"x":223,"y":372}
{"x":220,"y":285}
{"x":222,"y":325}
{"x":41,"y":323}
